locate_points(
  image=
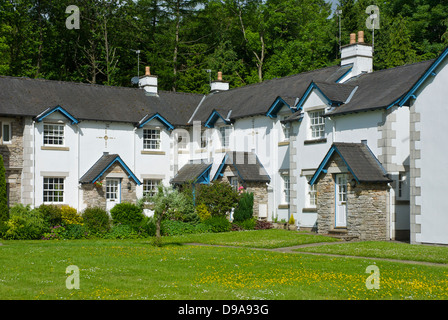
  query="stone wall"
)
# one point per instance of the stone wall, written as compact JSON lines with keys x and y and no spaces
{"x":96,"y":196}
{"x":367,"y":205}
{"x":13,"y":159}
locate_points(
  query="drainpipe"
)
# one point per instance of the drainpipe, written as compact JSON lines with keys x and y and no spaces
{"x":34,"y":164}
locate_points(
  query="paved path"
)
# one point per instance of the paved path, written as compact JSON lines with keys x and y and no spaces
{"x":293,"y":250}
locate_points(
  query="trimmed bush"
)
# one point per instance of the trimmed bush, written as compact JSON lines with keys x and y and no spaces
{"x":218,"y":224}
{"x":127,"y":213}
{"x":96,"y":220}
{"x":245,"y":209}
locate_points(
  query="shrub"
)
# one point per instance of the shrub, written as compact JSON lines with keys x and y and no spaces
{"x":121,"y":231}
{"x":218,"y":224}
{"x":219,"y":197}
{"x":56,"y":233}
{"x":292,"y":221}
{"x":96,"y":219}
{"x":126,"y":213}
{"x":245,"y":209}
{"x":175,"y":228}
{"x":147,"y":227}
{"x":4,"y":214}
{"x":75,"y":231}
{"x":202,"y":212}
{"x":263,"y":225}
{"x":70,"y":216}
{"x":248,"y":224}
{"x":24,"y":224}
{"x":51,"y":213}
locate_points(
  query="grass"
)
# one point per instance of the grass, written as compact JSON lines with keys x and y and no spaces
{"x":267,"y":239}
{"x":135,"y":269}
{"x":389,"y":250}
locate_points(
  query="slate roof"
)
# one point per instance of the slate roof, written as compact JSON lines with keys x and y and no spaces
{"x":30,"y":97}
{"x":256,"y":99}
{"x":247,"y":165}
{"x":380,"y":89}
{"x":101,"y":165}
{"x":190,"y":172}
{"x":360,"y":161}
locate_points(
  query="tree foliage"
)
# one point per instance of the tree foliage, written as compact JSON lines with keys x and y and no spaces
{"x":187,"y":41}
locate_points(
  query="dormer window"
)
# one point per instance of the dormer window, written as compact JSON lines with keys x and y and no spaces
{"x":151,"y":139}
{"x":53,"y":134}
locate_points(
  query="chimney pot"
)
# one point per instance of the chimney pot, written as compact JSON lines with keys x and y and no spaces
{"x":219,"y":76}
{"x":352,"y":38}
{"x":361,"y":36}
{"x":147,"y":72}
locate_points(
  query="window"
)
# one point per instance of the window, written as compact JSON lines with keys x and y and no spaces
{"x":112,"y":189}
{"x":53,"y":189}
{"x":225,"y":133}
{"x":54,"y":134}
{"x":234,"y":182}
{"x":182,"y":141}
{"x":5,"y":132}
{"x":204,"y":139}
{"x":150,"y":187}
{"x":317,"y":124}
{"x":151,"y":139}
{"x":286,"y":183}
{"x":403,"y":187}
{"x":286,"y":129}
{"x":311,"y":193}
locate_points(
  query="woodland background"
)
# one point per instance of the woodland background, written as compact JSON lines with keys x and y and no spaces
{"x":185,"y":42}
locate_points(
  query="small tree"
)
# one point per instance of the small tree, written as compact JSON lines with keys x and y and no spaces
{"x":219,"y":197}
{"x":4,"y":211}
{"x":168,"y":202}
{"x":245,"y":209}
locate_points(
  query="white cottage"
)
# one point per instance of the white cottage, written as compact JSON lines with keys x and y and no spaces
{"x":343,"y":149}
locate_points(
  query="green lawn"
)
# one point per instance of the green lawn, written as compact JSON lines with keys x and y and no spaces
{"x":135,"y":269}
{"x":390,"y":250}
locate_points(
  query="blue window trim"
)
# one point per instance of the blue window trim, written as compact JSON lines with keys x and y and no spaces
{"x":64,"y":112}
{"x":429,"y":72}
{"x":157,"y":116}
{"x":308,"y":92}
{"x":211,"y":120}
{"x":276,"y":107}
{"x":120,"y":161}
{"x":325,"y":162}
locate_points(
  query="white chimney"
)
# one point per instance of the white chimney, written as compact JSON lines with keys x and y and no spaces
{"x":360,"y":54}
{"x":219,"y":85}
{"x":148,"y":82}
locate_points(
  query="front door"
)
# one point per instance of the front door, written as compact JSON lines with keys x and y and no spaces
{"x":341,"y":201}
{"x":113,"y":193}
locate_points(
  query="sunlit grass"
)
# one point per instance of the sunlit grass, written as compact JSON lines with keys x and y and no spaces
{"x":135,"y":269}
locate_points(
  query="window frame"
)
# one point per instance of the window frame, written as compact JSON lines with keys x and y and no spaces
{"x":317,"y":124}
{"x":54,"y":137}
{"x":45,"y":189}
{"x":116,"y":189}
{"x":311,"y":194}
{"x":224,"y":132}
{"x":153,"y":186}
{"x":286,"y":188}
{"x":149,"y":140}
{"x":2,"y":132}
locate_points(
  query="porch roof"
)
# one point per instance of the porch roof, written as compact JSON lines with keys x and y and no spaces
{"x":194,"y":173}
{"x":360,"y":161}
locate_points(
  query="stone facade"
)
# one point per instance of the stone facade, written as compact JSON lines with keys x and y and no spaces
{"x":96,"y":196}
{"x":259,"y":189}
{"x":12,"y":154}
{"x":367,"y":205}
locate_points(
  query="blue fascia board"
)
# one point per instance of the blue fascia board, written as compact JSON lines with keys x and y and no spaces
{"x":130,"y":173}
{"x":157,"y":116}
{"x":211,"y":120}
{"x":45,"y":114}
{"x":324,"y":163}
{"x":204,"y":177}
{"x":221,"y":166}
{"x":276,"y":107}
{"x":429,"y":72}
{"x":308,"y":92}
